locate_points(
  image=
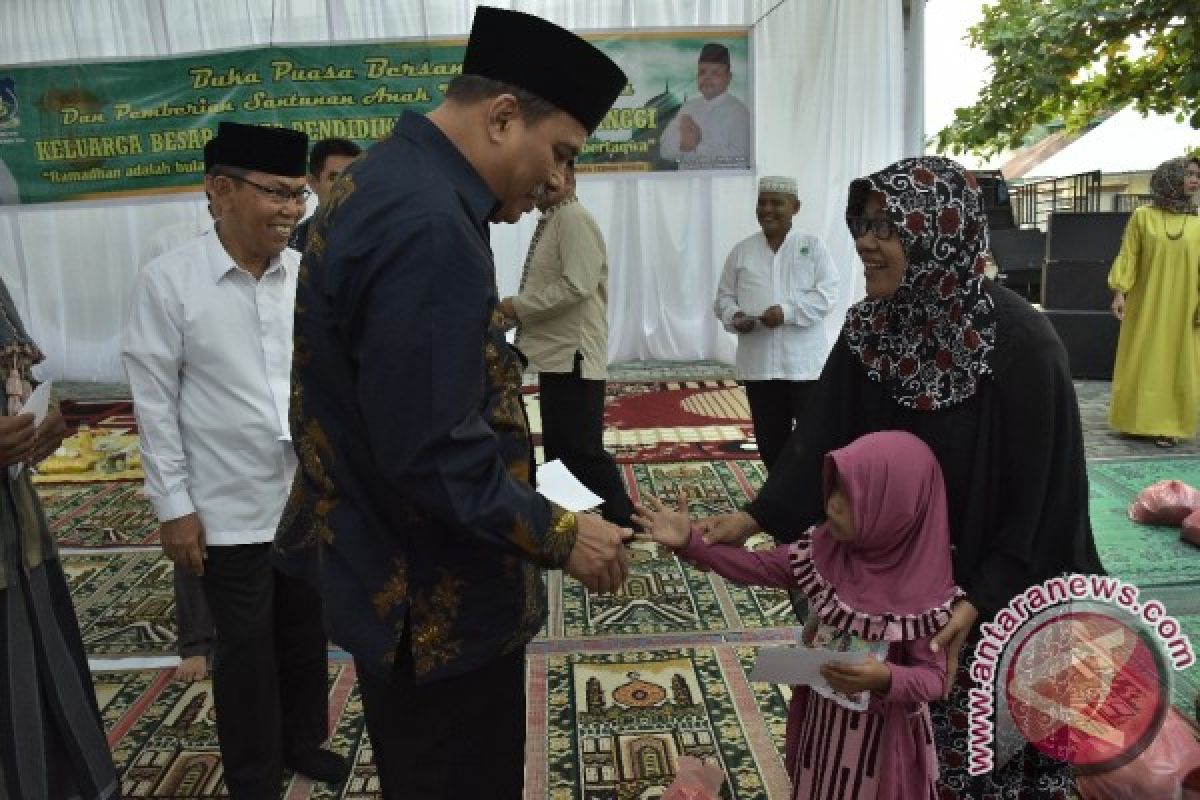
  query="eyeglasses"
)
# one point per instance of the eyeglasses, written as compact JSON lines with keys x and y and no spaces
{"x":279,"y":196}
{"x":881,"y":228}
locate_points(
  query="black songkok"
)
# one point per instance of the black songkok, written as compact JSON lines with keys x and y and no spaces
{"x":538,"y":56}
{"x":275,"y":151}
{"x":713,"y":53}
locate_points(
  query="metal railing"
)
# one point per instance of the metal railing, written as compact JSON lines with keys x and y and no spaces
{"x":1128,"y":202}
{"x":1033,"y":202}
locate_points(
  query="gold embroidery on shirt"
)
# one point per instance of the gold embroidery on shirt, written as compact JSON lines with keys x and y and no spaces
{"x":433,"y":618}
{"x":395,"y":591}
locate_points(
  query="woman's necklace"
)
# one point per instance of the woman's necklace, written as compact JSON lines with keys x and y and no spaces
{"x":1179,"y":235}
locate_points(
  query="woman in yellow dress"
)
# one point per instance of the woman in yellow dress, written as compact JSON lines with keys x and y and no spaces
{"x":1156,"y":286}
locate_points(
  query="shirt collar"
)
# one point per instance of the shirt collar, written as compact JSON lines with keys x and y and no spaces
{"x":476,"y":195}
{"x":221,"y":263}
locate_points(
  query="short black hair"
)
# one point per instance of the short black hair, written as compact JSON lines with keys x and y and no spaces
{"x":474,"y":88}
{"x":713,"y":53}
{"x":325,"y":148}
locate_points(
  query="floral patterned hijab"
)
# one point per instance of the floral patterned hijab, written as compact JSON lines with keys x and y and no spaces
{"x":929,"y":342}
{"x":1166,"y":184}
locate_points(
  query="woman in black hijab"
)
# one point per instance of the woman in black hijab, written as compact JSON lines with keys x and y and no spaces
{"x":973,"y":370}
{"x":52,"y":744}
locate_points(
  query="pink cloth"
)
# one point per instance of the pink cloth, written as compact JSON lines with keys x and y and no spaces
{"x":896,"y":569}
{"x":899,"y":563}
{"x":812,"y":751}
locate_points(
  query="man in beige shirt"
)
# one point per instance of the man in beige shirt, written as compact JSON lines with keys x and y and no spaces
{"x":561,"y":313}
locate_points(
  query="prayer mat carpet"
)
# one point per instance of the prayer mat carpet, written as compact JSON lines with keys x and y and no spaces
{"x":99,"y":514}
{"x":619,"y":686}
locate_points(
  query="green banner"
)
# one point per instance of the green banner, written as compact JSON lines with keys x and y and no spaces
{"x":121,"y":128}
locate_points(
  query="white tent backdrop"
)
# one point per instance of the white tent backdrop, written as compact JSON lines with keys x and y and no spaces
{"x":829,"y":90}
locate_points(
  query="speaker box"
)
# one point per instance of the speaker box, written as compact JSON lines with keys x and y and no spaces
{"x":1076,"y":285}
{"x":1085,"y":235}
{"x":1019,"y":254}
{"x":1090,"y":338}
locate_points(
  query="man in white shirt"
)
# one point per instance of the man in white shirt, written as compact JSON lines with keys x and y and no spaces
{"x":711,"y":131}
{"x":775,"y":292}
{"x":207,"y":348}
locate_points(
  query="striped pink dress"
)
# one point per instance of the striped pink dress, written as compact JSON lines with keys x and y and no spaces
{"x":834,"y":753}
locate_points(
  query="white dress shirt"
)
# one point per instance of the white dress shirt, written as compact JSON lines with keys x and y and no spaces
{"x":801,"y":279}
{"x":724,"y":124}
{"x":208,"y":352}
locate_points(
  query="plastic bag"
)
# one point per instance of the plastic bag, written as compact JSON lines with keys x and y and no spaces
{"x":1158,"y":773}
{"x":1191,"y":528}
{"x":695,"y":780}
{"x":1165,"y":503}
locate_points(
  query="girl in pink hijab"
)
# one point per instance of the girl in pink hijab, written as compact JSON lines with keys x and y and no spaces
{"x":877,"y":576}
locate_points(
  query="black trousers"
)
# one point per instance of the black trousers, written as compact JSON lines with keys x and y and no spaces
{"x":458,"y":738}
{"x":573,"y":430}
{"x":775,"y":406}
{"x":192,"y":620}
{"x":270,"y":668}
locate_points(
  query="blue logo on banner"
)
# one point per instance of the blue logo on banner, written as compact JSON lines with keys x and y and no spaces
{"x":9,"y":106}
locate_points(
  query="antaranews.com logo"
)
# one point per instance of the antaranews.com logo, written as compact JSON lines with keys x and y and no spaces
{"x":1077,"y":667}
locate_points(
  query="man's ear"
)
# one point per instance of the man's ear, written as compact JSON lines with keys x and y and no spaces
{"x":218,"y":188}
{"x":502,"y":111}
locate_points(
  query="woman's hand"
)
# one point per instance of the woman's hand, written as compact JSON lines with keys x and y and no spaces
{"x":733,"y":528}
{"x":667,"y":527}
{"x":871,"y":675}
{"x":952,"y":637}
{"x":16,"y":439}
{"x":49,"y":435}
{"x":1118,"y":305}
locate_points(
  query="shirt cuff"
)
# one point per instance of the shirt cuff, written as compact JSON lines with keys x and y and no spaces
{"x":173,"y":506}
{"x":789,"y":313}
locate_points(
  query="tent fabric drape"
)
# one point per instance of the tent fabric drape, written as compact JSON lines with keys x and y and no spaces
{"x":829,"y":97}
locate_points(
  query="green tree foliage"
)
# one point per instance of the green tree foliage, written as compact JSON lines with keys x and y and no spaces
{"x":1074,"y":60}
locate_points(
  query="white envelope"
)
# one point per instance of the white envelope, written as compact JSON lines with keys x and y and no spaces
{"x":798,"y":666}
{"x":556,"y":483}
{"x":37,"y":404}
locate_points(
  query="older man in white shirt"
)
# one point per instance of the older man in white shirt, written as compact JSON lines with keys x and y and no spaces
{"x":775,"y":292}
{"x":207,"y":348}
{"x":711,"y":131}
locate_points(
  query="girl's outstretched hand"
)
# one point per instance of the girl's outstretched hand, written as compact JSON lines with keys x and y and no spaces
{"x":667,"y":527}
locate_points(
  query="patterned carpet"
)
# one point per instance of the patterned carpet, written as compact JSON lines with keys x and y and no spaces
{"x":124,"y":601}
{"x":619,"y":686}
{"x":164,"y":739}
{"x":108,"y":514}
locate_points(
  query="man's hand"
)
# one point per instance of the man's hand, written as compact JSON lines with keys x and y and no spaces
{"x":773,"y":316}
{"x":183,"y":542}
{"x":690,"y":134}
{"x":952,"y":637}
{"x":1118,"y":305}
{"x":733,"y":528}
{"x":48,"y":436}
{"x":871,"y":675}
{"x":16,"y":439}
{"x":598,"y":560}
{"x":742,"y":323}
